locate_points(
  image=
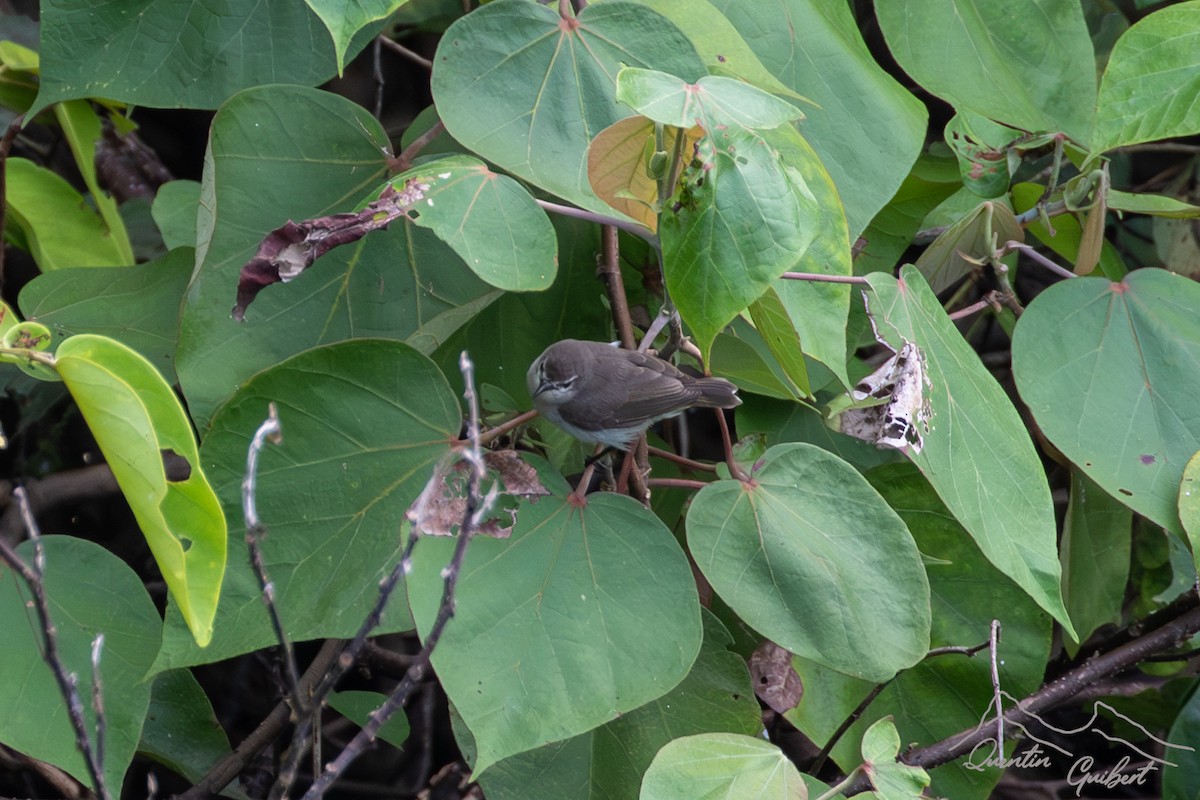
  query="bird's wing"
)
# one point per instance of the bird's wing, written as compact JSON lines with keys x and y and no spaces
{"x":646,"y":389}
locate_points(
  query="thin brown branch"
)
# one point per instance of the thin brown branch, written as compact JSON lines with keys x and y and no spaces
{"x":677,"y":483}
{"x":404,"y":160}
{"x":404,"y":52}
{"x":687,"y":463}
{"x":226,"y":770}
{"x":33,"y":576}
{"x":476,"y":507}
{"x":1058,"y":692}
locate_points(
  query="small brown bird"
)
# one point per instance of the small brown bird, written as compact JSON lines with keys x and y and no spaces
{"x":604,"y":394}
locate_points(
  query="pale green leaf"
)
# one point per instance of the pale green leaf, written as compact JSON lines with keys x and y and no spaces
{"x":710,"y":101}
{"x":489,"y":220}
{"x":137,"y":419}
{"x":54,"y":222}
{"x":977,"y":452}
{"x":811,"y":557}
{"x":1150,"y":86}
{"x":1132,"y":436}
{"x":815,"y":48}
{"x":741,"y":219}
{"x":725,"y":765}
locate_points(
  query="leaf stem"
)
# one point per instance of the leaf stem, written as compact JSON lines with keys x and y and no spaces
{"x":600,"y":219}
{"x":819,"y":277}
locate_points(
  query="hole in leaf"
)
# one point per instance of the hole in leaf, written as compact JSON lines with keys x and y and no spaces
{"x":176,"y":466}
{"x":185,"y":543}
{"x":1125,"y":492}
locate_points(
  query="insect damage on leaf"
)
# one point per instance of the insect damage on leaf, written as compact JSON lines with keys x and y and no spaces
{"x":442,"y":505}
{"x":888,"y":408}
{"x":293,"y":247}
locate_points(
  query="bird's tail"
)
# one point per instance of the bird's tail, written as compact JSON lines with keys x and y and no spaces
{"x":716,"y":393}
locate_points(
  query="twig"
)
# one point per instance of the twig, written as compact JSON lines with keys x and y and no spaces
{"x":822,"y":278}
{"x":226,"y":770}
{"x":959,"y":650}
{"x":997,"y":694}
{"x":1057,"y":692}
{"x":735,"y":469}
{"x":698,"y":466}
{"x":404,"y":52}
{"x":988,"y":301}
{"x":476,"y":507}
{"x":377,"y":75}
{"x":1037,"y":258}
{"x":677,"y":483}
{"x":6,"y":143}
{"x":33,"y":575}
{"x":403,"y":161}
{"x":609,"y":268}
{"x":255,"y":530}
{"x":98,"y":698}
{"x":600,"y":219}
{"x":1008,"y":295}
{"x":847,"y":723}
{"x":492,"y":434}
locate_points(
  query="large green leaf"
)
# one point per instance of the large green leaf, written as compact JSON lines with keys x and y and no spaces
{"x":722,"y":765}
{"x":137,"y":419}
{"x":939,"y":696}
{"x":139,"y":306}
{"x":816,"y":49}
{"x":55,"y":223}
{"x":287,"y":152}
{"x":1026,"y":63}
{"x":490,"y":220}
{"x":529,"y":90}
{"x":90,"y":592}
{"x":1109,"y":371}
{"x":1150,"y":85}
{"x":741,"y":219}
{"x":977,"y":453}
{"x":715,"y":696}
{"x":809,"y":555}
{"x":124,"y":51}
{"x":363,"y":424}
{"x":585,"y":613}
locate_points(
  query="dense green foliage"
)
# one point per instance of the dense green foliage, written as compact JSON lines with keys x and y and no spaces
{"x":801,"y":215}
